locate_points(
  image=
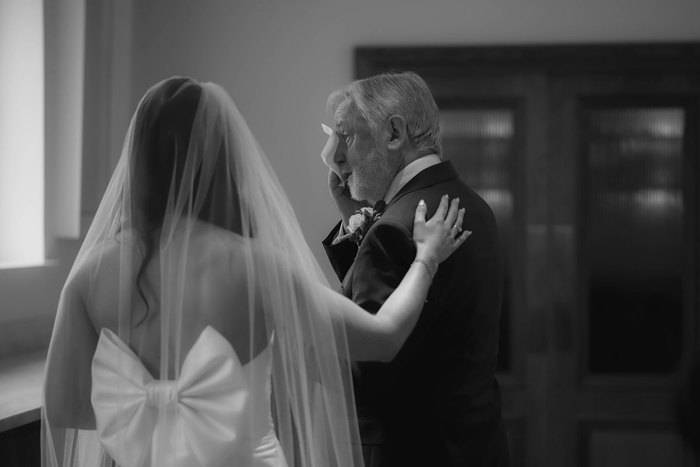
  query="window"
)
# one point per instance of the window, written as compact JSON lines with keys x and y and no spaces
{"x":41,"y":90}
{"x":21,"y":133}
{"x":634,"y":238}
{"x":480,"y":142}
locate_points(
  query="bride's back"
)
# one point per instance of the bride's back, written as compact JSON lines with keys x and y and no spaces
{"x":216,"y":291}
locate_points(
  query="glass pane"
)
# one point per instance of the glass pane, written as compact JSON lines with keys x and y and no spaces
{"x":480,"y":144}
{"x":634,"y":238}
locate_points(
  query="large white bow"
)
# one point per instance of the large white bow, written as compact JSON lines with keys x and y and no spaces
{"x":195,"y":420}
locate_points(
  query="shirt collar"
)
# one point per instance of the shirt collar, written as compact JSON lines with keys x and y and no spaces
{"x":407,"y":173}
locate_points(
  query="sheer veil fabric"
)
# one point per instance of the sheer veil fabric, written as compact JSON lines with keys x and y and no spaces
{"x":195,"y":231}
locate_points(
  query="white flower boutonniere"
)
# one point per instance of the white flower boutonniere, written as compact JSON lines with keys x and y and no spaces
{"x":359,"y":224}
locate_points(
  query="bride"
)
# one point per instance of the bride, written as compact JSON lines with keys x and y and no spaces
{"x":195,"y":327}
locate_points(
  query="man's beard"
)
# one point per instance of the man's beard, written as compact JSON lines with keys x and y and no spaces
{"x":371,"y":179}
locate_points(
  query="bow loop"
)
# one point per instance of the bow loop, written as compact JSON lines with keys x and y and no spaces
{"x":203,"y":416}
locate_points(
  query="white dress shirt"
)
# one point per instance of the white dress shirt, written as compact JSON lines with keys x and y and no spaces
{"x":407,"y":173}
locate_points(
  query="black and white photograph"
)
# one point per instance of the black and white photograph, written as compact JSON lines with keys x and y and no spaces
{"x":323,"y":233}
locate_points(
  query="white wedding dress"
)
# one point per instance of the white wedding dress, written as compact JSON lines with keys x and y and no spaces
{"x":195,"y":272}
{"x":216,"y":414}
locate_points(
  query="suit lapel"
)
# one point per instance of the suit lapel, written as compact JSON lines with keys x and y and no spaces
{"x":346,"y":285}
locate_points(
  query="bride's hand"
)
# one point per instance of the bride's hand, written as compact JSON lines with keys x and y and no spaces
{"x":437,"y":238}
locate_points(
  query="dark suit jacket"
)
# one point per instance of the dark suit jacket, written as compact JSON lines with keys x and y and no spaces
{"x":437,"y":403}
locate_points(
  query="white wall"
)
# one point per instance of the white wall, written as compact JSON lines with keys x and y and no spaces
{"x":279,"y":59}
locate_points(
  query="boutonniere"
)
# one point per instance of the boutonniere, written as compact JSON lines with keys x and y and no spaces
{"x":360,"y":223}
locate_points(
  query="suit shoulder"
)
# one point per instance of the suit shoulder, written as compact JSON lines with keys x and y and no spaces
{"x":471,"y":201}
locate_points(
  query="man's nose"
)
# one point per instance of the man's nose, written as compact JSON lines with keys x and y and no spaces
{"x":340,"y":152}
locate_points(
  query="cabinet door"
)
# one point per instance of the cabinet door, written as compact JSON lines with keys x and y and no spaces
{"x":624,"y":256}
{"x":494,"y":133}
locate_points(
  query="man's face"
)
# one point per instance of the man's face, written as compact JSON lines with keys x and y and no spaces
{"x":364,"y":165}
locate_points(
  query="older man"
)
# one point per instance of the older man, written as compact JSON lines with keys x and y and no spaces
{"x":438,"y":402}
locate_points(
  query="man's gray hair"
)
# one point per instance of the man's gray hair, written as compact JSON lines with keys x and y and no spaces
{"x":379,"y":97}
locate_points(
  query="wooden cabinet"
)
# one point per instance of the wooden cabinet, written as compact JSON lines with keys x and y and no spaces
{"x":20,"y":446}
{"x":588,"y":157}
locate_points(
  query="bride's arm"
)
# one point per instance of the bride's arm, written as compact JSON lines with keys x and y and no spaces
{"x":379,"y":337}
{"x":68,"y":380}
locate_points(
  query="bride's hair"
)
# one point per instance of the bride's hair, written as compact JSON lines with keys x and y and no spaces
{"x":161,"y":153}
{"x":163,"y":126}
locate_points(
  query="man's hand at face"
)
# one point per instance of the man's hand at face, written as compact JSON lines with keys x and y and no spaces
{"x":338,"y":187}
{"x":341,"y":195}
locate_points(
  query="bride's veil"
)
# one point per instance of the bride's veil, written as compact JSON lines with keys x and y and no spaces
{"x":193,"y":222}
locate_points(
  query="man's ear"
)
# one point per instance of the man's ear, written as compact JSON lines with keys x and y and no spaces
{"x":398,"y":133}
